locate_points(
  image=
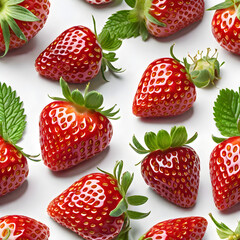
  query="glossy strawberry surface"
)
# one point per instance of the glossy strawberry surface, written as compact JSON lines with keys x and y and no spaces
{"x":85,"y":207}
{"x":98,"y":2}
{"x":74,"y":55}
{"x":175,"y":14}
{"x":70,"y":134}
{"x":188,"y":228}
{"x":165,"y":89}
{"x":225,"y":173}
{"x":173,"y":174}
{"x":226,"y":29}
{"x":22,"y":228}
{"x":13,"y":167}
{"x":40,"y":8}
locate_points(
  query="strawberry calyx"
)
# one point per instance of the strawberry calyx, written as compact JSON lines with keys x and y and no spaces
{"x":7,"y":235}
{"x":124,"y":181}
{"x":163,"y":140}
{"x":203,"y":70}
{"x":10,"y":10}
{"x":224,"y":232}
{"x":92,"y":100}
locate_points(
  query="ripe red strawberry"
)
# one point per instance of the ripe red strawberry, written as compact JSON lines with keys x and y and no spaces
{"x":96,"y":206}
{"x":160,"y":18}
{"x":74,"y":129}
{"x":98,"y":2}
{"x":170,"y":168}
{"x":226,"y":25}
{"x":188,"y":228}
{"x":77,"y":56}
{"x":13,"y":162}
{"x":20,"y":21}
{"x":167,"y":88}
{"x":225,"y":158}
{"x":17,"y":227}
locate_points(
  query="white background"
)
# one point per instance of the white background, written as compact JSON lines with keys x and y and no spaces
{"x":17,"y":69}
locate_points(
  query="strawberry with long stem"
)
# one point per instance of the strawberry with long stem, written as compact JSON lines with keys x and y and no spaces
{"x":21,"y":20}
{"x":13,"y":163}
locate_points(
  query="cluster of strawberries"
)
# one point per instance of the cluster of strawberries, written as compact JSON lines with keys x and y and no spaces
{"x":76,"y":127}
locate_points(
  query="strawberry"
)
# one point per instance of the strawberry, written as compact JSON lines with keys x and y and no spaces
{"x":226,"y":24}
{"x":225,"y":232}
{"x":167,"y":88}
{"x":160,"y":18}
{"x":13,"y":163}
{"x":98,"y":2}
{"x":74,"y":129}
{"x":77,"y":55}
{"x":170,"y":167}
{"x":225,"y":157}
{"x":17,"y":227}
{"x":20,"y":21}
{"x":187,"y":228}
{"x":96,"y":206}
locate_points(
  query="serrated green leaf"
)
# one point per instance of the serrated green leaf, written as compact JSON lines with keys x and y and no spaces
{"x":137,"y":215}
{"x":226,"y":112}
{"x":164,"y":140}
{"x":20,"y":13}
{"x":131,"y":3}
{"x":137,"y":200}
{"x":179,"y":136}
{"x":109,"y":42}
{"x":150,"y":139}
{"x":12,"y":116}
{"x":127,"y":179}
{"x":119,"y":25}
{"x":120,"y":209}
{"x":223,"y":5}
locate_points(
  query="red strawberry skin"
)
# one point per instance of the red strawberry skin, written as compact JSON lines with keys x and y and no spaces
{"x":224,"y":171}
{"x":22,"y":227}
{"x":175,"y":14}
{"x":225,"y":28}
{"x":165,"y":90}
{"x":71,"y":134}
{"x":74,"y":55}
{"x":188,"y":228}
{"x":98,"y":2}
{"x":85,"y":207}
{"x":40,"y":8}
{"x":173,"y":174}
{"x":13,"y":168}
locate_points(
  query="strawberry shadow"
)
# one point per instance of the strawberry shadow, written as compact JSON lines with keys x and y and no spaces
{"x":82,"y":167}
{"x":14,"y":195}
{"x":231,"y":210}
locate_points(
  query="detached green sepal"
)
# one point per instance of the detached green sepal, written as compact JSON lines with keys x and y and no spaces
{"x":163,"y":140}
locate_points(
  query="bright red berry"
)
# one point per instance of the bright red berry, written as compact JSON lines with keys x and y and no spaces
{"x":17,"y":227}
{"x":95,"y":207}
{"x":77,"y":55}
{"x":74,"y":129}
{"x":188,"y":228}
{"x":167,"y":88}
{"x":28,"y":17}
{"x":226,"y":25}
{"x":169,"y":168}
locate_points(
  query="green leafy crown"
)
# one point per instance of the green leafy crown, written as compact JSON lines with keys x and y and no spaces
{"x":9,"y":12}
{"x":92,"y":100}
{"x":126,"y":24}
{"x":224,"y":232}
{"x":12,"y":118}
{"x":227,"y":113}
{"x":227,"y":4}
{"x":163,"y":140}
{"x":124,"y":181}
{"x":204,"y":69}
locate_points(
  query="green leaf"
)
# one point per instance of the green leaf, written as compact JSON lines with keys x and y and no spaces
{"x":154,"y":20}
{"x":179,"y":136}
{"x":120,"y":209}
{"x":66,"y":90}
{"x":131,"y":3}
{"x":93,"y":100}
{"x":164,"y":140}
{"x":237,"y":230}
{"x":190,"y":140}
{"x":218,"y":140}
{"x":143,"y":31}
{"x":12,"y":115}
{"x":6,"y":35}
{"x":223,"y":5}
{"x":150,"y":139}
{"x":119,"y":25}
{"x":137,"y":144}
{"x":20,"y":13}
{"x":109,"y":42}
{"x":137,"y":215}
{"x":78,"y":97}
{"x":200,"y":78}
{"x":137,"y":200}
{"x":226,"y":112}
{"x":127,"y":179}
{"x":15,"y":28}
